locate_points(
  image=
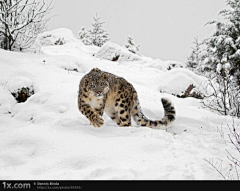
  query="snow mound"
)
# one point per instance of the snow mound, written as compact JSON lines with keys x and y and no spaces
{"x":162,"y":65}
{"x":15,"y":84}
{"x":46,"y":43}
{"x":173,"y":64}
{"x":114,"y":52}
{"x":157,"y":64}
{"x":66,"y":62}
{"x":176,"y":81}
{"x":56,"y":37}
{"x":6,"y":101}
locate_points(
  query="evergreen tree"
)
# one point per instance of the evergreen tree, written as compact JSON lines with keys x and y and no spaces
{"x":195,"y":57}
{"x":85,"y":37}
{"x":223,"y":48}
{"x":221,"y":62}
{"x":97,"y":36}
{"x":130,"y":45}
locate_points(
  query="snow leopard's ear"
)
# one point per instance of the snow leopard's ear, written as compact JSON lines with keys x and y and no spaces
{"x":105,"y":75}
{"x":96,"y":70}
{"x":86,"y":80}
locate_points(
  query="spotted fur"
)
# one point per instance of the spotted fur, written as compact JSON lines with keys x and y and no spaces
{"x":101,"y":91}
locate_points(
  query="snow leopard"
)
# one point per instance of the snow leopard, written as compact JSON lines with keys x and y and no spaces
{"x":100,"y":92}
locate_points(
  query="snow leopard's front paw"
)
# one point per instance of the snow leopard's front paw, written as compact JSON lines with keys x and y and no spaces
{"x":97,"y":121}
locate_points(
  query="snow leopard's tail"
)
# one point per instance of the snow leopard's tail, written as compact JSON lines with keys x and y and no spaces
{"x":142,"y":120}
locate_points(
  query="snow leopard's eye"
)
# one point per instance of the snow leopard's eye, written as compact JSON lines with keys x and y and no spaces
{"x":92,"y":86}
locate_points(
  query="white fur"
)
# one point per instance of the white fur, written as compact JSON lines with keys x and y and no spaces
{"x":95,"y":102}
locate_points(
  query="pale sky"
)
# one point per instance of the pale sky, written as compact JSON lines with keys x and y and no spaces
{"x":165,"y":29}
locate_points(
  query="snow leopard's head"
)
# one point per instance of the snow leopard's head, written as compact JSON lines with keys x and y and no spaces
{"x":97,"y":83}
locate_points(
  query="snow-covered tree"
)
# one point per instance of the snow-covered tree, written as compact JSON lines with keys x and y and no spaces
{"x":97,"y":36}
{"x":223,"y":47}
{"x":130,"y":45}
{"x":195,"y":57}
{"x":222,"y":62}
{"x":21,"y":21}
{"x":85,"y":36}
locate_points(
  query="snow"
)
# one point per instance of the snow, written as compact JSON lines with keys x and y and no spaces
{"x":15,"y":84}
{"x":219,"y":68}
{"x":177,"y":80}
{"x":46,"y":137}
{"x":130,"y":45}
{"x":112,"y":51}
{"x":51,"y":37}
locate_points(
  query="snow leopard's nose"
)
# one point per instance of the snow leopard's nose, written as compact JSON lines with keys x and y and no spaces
{"x":99,"y":93}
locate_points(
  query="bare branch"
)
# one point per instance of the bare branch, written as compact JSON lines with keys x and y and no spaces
{"x":20,"y":16}
{"x":216,"y":168}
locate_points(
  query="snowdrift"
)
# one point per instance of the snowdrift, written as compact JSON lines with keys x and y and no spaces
{"x":46,"y":137}
{"x":177,"y":81}
{"x":56,"y":37}
{"x":113,"y":52}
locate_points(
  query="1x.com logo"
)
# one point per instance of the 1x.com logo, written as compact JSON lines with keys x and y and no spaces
{"x":10,"y":185}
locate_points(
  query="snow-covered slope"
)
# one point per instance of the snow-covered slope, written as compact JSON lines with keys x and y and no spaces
{"x":46,"y":137}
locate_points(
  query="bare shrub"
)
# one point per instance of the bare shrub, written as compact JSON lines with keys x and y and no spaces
{"x":21,"y":21}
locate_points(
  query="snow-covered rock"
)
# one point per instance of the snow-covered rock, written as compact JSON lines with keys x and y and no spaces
{"x":114,"y":52}
{"x":21,"y":88}
{"x":176,"y":82}
{"x":169,"y":64}
{"x":19,"y":82}
{"x":55,"y":37}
